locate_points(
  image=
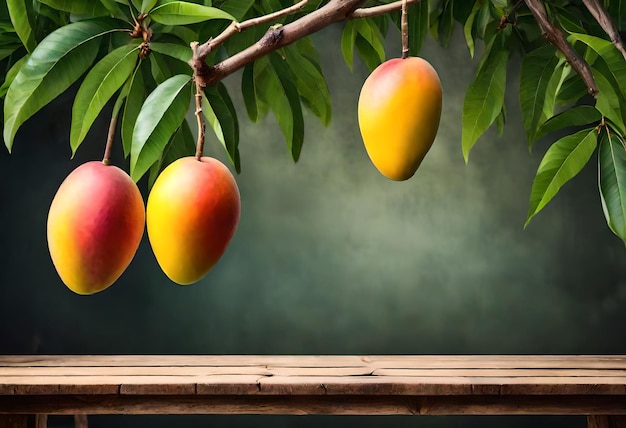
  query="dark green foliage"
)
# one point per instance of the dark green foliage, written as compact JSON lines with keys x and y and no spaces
{"x":48,"y":45}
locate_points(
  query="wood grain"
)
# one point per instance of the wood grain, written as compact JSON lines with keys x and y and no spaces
{"x":307,"y":384}
{"x":311,"y":405}
{"x":595,"y":421}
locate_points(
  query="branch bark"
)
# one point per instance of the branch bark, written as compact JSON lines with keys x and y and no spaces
{"x":368,"y":12}
{"x":555,"y":37}
{"x":279,"y":36}
{"x":604,"y":19}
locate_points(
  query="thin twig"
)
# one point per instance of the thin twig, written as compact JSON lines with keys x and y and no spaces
{"x":368,"y":12}
{"x":200,"y":142}
{"x":405,"y":30}
{"x":236,"y":27}
{"x":106,"y":159}
{"x":554,"y":36}
{"x":273,"y":16}
{"x":604,"y":19}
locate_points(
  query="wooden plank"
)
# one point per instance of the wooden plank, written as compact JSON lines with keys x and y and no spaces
{"x":373,"y":385}
{"x":605,"y":421}
{"x":402,"y":361}
{"x":498,"y":372}
{"x":498,"y":361}
{"x":137,"y":371}
{"x":14,"y":421}
{"x":99,"y":385}
{"x":303,"y":385}
{"x":308,"y":385}
{"x":321,"y":404}
{"x":181,"y":360}
{"x":184,"y":371}
{"x":47,"y":371}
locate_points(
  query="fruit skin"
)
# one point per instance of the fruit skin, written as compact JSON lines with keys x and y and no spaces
{"x":95,"y":224}
{"x":399,"y":111}
{"x":192,"y":213}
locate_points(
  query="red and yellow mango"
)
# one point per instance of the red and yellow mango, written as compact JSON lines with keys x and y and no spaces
{"x":95,"y":225}
{"x":192,"y":213}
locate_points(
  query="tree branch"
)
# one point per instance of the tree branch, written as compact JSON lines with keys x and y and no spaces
{"x":237,"y":27}
{"x":554,"y":36}
{"x":368,"y":12}
{"x":604,"y":19}
{"x":279,"y":36}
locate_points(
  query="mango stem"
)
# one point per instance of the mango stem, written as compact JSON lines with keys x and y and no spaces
{"x":106,"y":159}
{"x":405,"y":30}
{"x":200,"y":142}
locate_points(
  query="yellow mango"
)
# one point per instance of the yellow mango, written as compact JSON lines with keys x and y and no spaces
{"x":399,"y":111}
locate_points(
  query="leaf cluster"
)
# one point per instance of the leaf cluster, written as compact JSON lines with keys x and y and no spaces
{"x":135,"y":54}
{"x":554,"y":100}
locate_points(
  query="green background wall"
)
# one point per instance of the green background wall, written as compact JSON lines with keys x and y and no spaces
{"x":332,"y":258}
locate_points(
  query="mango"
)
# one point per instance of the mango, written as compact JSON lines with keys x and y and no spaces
{"x":95,"y":224}
{"x":192,"y":214}
{"x":399,"y":110}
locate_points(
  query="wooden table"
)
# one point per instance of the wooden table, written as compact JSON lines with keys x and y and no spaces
{"x":357,"y":385}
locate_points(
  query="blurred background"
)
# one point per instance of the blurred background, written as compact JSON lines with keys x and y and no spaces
{"x":330,"y":257}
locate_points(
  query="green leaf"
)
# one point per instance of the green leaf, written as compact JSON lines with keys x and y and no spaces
{"x":181,"y":144}
{"x":147,"y":5}
{"x":20,"y":13}
{"x":57,"y":62}
{"x":249,"y":93}
{"x":219,"y":111}
{"x":160,"y":116}
{"x":484,"y":98}
{"x":158,"y":66}
{"x":180,"y":52}
{"x":617,"y":10}
{"x":446,"y":26}
{"x":483,"y":19}
{"x":183,"y":13}
{"x":137,"y":4}
{"x":500,"y":4}
{"x":468,"y":29}
{"x":134,"y":100}
{"x":92,"y":8}
{"x":501,"y":121}
{"x":563,"y":160}
{"x":609,"y":102}
{"x":537,"y":69}
{"x":572,"y":89}
{"x":15,"y":68}
{"x":567,"y":20}
{"x":610,"y":56}
{"x":237,"y":8}
{"x":310,"y":82}
{"x":575,"y":116}
{"x":368,"y":31}
{"x":275,"y":85}
{"x":418,"y":21}
{"x":367,"y":54}
{"x":102,"y":81}
{"x":612,"y":183}
{"x":113,"y":8}
{"x":348,"y":39}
